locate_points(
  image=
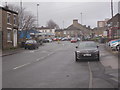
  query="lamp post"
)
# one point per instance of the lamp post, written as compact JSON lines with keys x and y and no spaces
{"x":37,"y":20}
{"x":37,"y":16}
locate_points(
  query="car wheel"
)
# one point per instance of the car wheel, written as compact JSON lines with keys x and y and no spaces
{"x":25,"y":48}
{"x":117,"y":47}
{"x":98,"y":59}
{"x":76,"y":57}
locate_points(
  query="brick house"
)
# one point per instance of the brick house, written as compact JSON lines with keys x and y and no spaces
{"x":114,"y":27}
{"x":59,"y":33}
{"x":77,"y":30}
{"x":9,"y":27}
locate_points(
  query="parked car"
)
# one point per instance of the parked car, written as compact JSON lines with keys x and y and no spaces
{"x":78,"y":39}
{"x":73,"y":40}
{"x":45,"y":40}
{"x":57,"y":39}
{"x":31,"y":44}
{"x":54,"y":39}
{"x":87,"y":50}
{"x":114,"y":44}
{"x":49,"y":40}
{"x":64,"y":39}
{"x":118,"y":48}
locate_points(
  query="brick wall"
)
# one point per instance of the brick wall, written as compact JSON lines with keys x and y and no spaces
{"x":8,"y":28}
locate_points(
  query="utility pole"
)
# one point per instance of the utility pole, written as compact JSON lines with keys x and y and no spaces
{"x":81,"y":17}
{"x":21,"y":13}
{"x":112,"y":17}
{"x":63,"y":24}
{"x":112,"y":8}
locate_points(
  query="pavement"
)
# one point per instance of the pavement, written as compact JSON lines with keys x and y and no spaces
{"x":11,"y":52}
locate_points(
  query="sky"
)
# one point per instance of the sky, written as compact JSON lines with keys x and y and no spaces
{"x":64,"y":12}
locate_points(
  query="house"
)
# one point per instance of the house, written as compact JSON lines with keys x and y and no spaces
{"x":102,"y":23}
{"x":59,"y":33}
{"x":113,"y":24}
{"x":8,"y":27}
{"x":77,"y":30}
{"x":47,"y":32}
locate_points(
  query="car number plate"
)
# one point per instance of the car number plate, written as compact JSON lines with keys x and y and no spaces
{"x":86,"y":54}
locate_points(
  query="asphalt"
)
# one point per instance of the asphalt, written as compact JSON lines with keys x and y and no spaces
{"x":18,"y":50}
{"x":58,"y":69}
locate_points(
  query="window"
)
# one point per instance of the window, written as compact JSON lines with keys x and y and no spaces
{"x":64,"y":32}
{"x":15,"y":20}
{"x":8,"y":17}
{"x":9,"y":36}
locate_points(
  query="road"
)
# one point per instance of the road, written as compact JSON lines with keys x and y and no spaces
{"x":53,"y":66}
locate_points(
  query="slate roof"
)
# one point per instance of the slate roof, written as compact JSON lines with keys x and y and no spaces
{"x":7,"y":9}
{"x":71,"y":27}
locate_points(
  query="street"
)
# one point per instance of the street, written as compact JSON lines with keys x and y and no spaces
{"x":53,"y":66}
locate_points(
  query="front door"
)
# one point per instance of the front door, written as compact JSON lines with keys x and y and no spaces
{"x":15,"y":38}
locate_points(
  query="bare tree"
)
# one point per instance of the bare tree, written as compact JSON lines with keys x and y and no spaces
{"x":26,"y":19}
{"x":52,"y":24}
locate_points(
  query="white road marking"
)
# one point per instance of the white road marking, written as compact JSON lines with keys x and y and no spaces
{"x":32,"y":62}
{"x":21,"y":66}
{"x":114,"y":79}
{"x":90,"y":81}
{"x":32,"y":51}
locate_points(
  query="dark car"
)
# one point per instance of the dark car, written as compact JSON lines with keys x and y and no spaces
{"x":87,"y":50}
{"x":31,"y":44}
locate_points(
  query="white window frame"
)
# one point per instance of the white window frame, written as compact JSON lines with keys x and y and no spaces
{"x":9,"y":14}
{"x":15,"y":18}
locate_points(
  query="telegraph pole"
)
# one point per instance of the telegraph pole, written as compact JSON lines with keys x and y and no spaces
{"x":112,"y":8}
{"x":63,"y":24}
{"x":112,"y":17}
{"x":21,"y":17}
{"x":81,"y":17}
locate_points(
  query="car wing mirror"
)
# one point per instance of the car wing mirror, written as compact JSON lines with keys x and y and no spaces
{"x":97,"y":46}
{"x":76,"y":46}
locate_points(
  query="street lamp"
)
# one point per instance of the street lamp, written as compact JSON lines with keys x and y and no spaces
{"x":37,"y":21}
{"x":37,"y":16}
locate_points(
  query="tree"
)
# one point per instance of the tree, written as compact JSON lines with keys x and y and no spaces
{"x":52,"y":24}
{"x":26,"y":19}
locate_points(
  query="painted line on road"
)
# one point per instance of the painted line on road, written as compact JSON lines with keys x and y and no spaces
{"x":114,"y":79}
{"x":90,"y":81}
{"x":21,"y":66}
{"x":32,"y":62}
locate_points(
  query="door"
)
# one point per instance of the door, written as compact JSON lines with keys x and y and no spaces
{"x":15,"y":38}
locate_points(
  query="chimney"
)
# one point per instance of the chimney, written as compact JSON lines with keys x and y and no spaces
{"x":75,"y":22}
{"x":88,"y":27}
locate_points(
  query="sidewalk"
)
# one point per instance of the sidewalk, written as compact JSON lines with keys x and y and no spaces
{"x":11,"y":52}
{"x":111,"y":51}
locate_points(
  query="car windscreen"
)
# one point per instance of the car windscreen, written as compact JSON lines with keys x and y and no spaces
{"x":87,"y":45}
{"x":30,"y":41}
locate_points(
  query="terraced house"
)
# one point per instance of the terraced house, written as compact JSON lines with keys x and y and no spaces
{"x":8,"y":27}
{"x":75,"y":30}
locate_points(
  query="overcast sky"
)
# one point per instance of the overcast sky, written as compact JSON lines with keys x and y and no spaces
{"x":67,"y":11}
